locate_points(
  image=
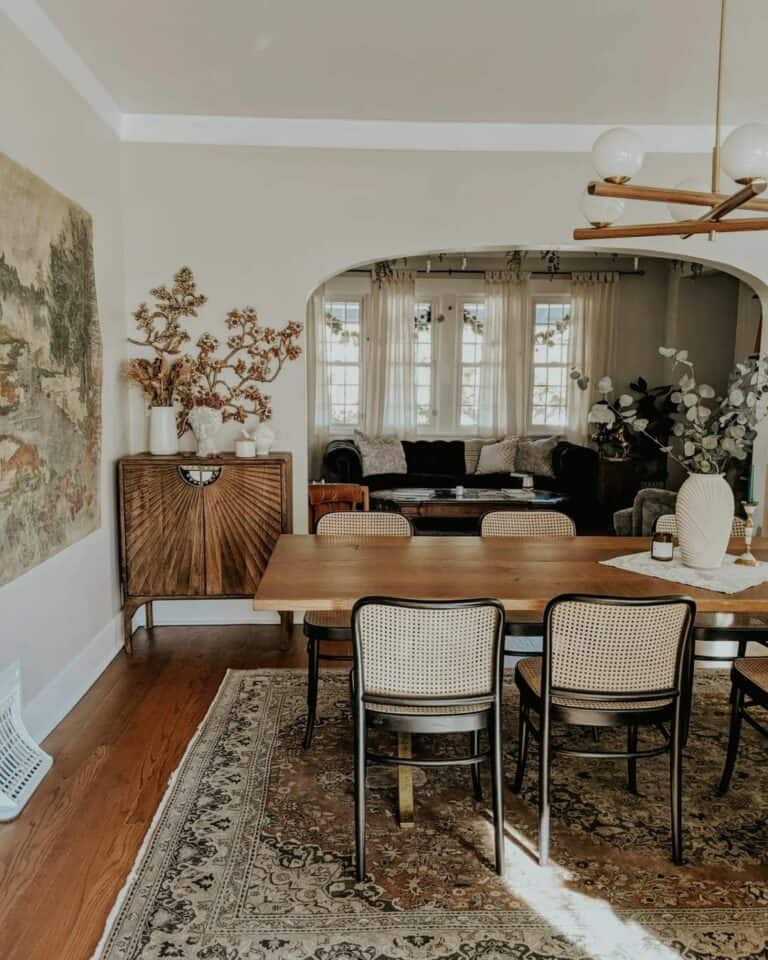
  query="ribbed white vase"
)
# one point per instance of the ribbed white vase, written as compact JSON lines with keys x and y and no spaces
{"x":704,"y":513}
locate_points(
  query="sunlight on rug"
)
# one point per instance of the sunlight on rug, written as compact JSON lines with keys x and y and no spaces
{"x":250,"y":856}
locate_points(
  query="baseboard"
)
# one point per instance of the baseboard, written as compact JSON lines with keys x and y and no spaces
{"x":190,"y":613}
{"x":58,"y":696}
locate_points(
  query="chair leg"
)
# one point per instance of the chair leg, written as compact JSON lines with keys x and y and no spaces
{"x":737,"y":706}
{"x":474,"y":748}
{"x":497,"y":780}
{"x":632,"y":761}
{"x":522,"y":749}
{"x":544,"y":762}
{"x":313,"y":677}
{"x":676,"y":790}
{"x":360,"y":750}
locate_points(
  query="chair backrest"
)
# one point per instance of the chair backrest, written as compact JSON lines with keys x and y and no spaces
{"x":376,"y":524}
{"x":612,"y":645}
{"x":668,"y":524}
{"x":335,"y":497}
{"x":410,"y":651}
{"x":527,"y":523}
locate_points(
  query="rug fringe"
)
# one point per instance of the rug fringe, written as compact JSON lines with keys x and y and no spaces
{"x":121,"y":897}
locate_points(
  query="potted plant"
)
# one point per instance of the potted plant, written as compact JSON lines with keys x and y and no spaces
{"x":709,"y":433}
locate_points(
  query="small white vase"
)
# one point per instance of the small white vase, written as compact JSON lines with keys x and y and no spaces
{"x":206,"y":423}
{"x":704,"y":513}
{"x":264,"y":436}
{"x":163,"y":440}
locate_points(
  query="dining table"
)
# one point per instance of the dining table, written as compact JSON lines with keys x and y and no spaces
{"x":332,"y":572}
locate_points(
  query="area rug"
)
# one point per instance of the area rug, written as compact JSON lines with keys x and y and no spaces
{"x":250,"y":856}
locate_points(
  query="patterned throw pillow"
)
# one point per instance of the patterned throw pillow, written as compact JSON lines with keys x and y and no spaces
{"x":535,"y":456}
{"x":380,"y":454}
{"x":498,"y":457}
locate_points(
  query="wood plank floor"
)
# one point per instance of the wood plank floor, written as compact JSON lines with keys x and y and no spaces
{"x":65,"y":859}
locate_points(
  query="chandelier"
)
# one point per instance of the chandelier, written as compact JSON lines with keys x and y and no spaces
{"x":617,"y":155}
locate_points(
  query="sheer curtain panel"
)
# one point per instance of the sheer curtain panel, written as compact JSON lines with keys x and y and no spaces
{"x":505,"y":374}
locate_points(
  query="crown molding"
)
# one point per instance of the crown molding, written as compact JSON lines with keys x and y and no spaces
{"x":399,"y":135}
{"x":31,"y":20}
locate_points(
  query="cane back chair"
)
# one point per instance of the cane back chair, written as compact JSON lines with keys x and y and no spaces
{"x":525,"y":523}
{"x":322,"y":627}
{"x":609,"y":662}
{"x":430,"y":667}
{"x":749,"y":678}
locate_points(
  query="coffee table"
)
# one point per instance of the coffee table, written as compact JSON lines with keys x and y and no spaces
{"x":426,"y":502}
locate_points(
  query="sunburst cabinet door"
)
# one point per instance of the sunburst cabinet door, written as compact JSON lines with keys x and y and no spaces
{"x":163,"y":518}
{"x":244,"y":516}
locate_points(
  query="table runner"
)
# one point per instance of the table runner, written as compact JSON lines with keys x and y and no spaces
{"x":729,"y":578}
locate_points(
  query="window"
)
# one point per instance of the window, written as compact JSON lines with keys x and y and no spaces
{"x":423,"y":332}
{"x":472,"y":328}
{"x":551,"y":338}
{"x":342,"y":330}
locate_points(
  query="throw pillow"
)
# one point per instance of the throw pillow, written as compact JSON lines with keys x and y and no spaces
{"x":472,"y":450}
{"x":380,"y":454}
{"x":498,"y":457}
{"x":535,"y":456}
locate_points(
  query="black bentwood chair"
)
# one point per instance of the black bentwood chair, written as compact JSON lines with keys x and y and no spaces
{"x":334,"y":626}
{"x":610,"y":662}
{"x":525,"y":523}
{"x":749,"y":678}
{"x":429,"y":667}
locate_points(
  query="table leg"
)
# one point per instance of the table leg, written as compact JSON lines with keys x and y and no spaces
{"x":405,"y":783}
{"x":150,"y":615}
{"x":286,"y":627}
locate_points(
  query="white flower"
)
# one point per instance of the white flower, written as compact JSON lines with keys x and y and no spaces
{"x":690,"y":399}
{"x":705,"y":413}
{"x":736,"y":397}
{"x":601,"y":413}
{"x":686,"y":382}
{"x":706,"y":391}
{"x":691,"y":414}
{"x":678,"y":429}
{"x":681,"y":356}
{"x":710,"y":442}
{"x":667,"y":351}
{"x":625,"y":400}
{"x":689,"y":448}
{"x":676,"y":397}
{"x":639,"y":424}
{"x":751,"y":399}
{"x":604,"y":385}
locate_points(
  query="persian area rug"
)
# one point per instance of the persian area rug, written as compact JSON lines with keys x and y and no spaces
{"x":250,"y":856}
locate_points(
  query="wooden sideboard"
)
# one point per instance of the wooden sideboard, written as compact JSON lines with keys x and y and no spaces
{"x":198,"y":528}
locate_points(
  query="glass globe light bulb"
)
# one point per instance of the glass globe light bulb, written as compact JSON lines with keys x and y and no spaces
{"x":601,"y":211}
{"x":618,"y":154}
{"x":690,"y":211}
{"x":744,"y":153}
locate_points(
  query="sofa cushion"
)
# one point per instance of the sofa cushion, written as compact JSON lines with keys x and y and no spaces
{"x":392,"y":481}
{"x":498,"y":457}
{"x":435,"y":456}
{"x":472,"y":450}
{"x":380,"y":455}
{"x":535,"y":456}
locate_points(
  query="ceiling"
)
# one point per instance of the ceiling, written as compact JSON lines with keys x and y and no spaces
{"x":560,"y":61}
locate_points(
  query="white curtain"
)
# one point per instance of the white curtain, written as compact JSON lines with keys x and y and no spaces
{"x":389,"y":355}
{"x":594,"y":303}
{"x":318,"y":381}
{"x":506,"y":368}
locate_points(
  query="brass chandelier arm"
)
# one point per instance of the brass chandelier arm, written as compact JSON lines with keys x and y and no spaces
{"x":695,"y":198}
{"x":682,"y":228}
{"x":733,"y":202}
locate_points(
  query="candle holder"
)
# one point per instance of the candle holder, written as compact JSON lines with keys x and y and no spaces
{"x":747,"y":559}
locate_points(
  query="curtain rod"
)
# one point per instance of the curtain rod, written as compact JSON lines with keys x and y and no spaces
{"x":534,"y":273}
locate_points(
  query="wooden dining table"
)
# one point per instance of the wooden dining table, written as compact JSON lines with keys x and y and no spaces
{"x":524,"y":573}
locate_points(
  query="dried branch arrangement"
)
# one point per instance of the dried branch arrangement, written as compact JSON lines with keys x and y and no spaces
{"x":253,"y":354}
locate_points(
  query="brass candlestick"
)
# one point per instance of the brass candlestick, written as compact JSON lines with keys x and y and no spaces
{"x":747,"y":559}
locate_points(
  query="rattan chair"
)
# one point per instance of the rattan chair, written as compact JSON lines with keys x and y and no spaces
{"x":609,"y":662}
{"x":667,"y":523}
{"x":334,"y":626}
{"x":429,"y":667}
{"x":525,"y":523}
{"x":749,"y":679}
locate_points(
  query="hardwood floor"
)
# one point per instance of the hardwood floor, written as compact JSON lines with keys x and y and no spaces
{"x":65,"y":859}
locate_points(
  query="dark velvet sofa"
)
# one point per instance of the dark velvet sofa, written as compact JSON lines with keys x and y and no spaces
{"x":441,"y":463}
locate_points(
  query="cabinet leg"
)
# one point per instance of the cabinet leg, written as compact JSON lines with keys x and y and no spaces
{"x":150,"y":615}
{"x":128,"y":611}
{"x":286,"y":629}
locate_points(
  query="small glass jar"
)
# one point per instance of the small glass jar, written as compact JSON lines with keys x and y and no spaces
{"x":662,"y":546}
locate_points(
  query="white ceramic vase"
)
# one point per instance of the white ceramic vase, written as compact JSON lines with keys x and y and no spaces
{"x":163,"y":440}
{"x":206,"y":423}
{"x":264,"y":437}
{"x":704,"y":512}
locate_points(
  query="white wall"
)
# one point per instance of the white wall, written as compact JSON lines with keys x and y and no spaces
{"x":59,"y":619}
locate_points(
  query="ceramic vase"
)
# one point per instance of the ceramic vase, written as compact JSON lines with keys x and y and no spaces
{"x":264,"y":437}
{"x":704,"y":512}
{"x":163,"y":440}
{"x":206,"y":423}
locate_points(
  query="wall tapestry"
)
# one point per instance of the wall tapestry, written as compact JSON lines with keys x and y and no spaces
{"x":50,"y":373}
